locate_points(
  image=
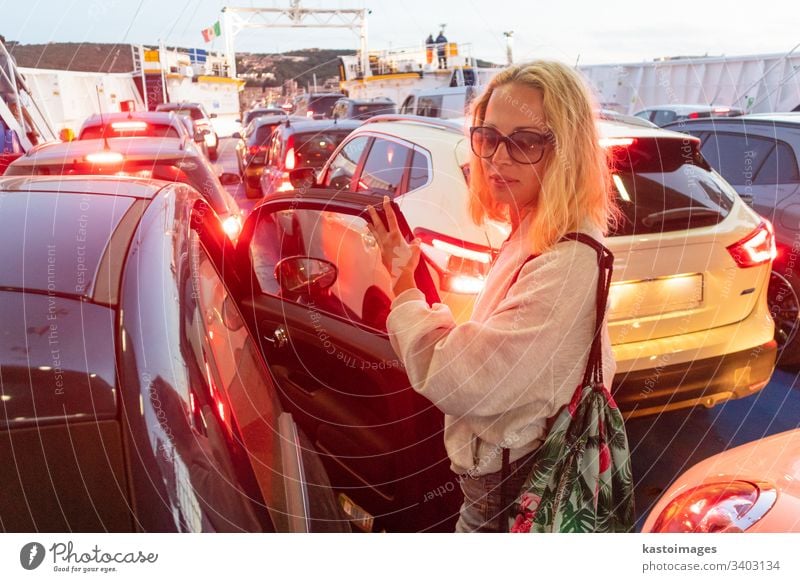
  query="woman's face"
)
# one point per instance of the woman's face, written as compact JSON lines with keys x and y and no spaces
{"x":513,"y":108}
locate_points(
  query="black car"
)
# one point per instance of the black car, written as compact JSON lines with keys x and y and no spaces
{"x":300,"y":144}
{"x":759,"y":155}
{"x":315,"y":105}
{"x":253,"y":149}
{"x":310,"y":283}
{"x":362,"y":108}
{"x":176,"y":160}
{"x":134,"y":397}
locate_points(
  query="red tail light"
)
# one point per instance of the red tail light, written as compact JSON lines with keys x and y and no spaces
{"x":462,"y":266}
{"x":290,"y":161}
{"x":617,"y":142}
{"x":716,"y":508}
{"x":105,"y":158}
{"x":129,"y":126}
{"x":256,"y":149}
{"x":757,"y":248}
{"x":309,"y":114}
{"x":694,"y":115}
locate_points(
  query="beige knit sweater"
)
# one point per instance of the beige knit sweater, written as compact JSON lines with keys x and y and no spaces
{"x":499,"y":376}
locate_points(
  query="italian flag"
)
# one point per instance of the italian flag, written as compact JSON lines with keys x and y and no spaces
{"x":212,"y":32}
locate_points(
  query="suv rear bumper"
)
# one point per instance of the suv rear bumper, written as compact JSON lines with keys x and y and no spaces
{"x":706,"y":382}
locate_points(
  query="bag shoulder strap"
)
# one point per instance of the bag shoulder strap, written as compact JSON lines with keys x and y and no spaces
{"x":594,"y":365}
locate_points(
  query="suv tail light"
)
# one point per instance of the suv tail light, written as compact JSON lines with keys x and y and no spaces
{"x":716,"y":508}
{"x":310,"y":114}
{"x":105,"y":158}
{"x":617,"y":142}
{"x":129,"y":126}
{"x":756,"y":248}
{"x":462,"y":266}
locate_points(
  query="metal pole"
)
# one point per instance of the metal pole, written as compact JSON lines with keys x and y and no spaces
{"x":230,"y":53}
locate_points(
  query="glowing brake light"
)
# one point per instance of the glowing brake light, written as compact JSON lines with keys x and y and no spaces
{"x":462,"y":266}
{"x":309,"y":114}
{"x":290,"y":161}
{"x":232,"y":226}
{"x":722,"y":109}
{"x":617,"y":142}
{"x":756,"y":248}
{"x":105,"y":158}
{"x":716,"y":508}
{"x":129,"y":126}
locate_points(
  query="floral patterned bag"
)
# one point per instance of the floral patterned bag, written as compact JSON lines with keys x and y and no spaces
{"x":580,"y":480}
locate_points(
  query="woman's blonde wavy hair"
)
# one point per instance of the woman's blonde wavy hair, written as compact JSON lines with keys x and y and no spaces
{"x":576,"y":181}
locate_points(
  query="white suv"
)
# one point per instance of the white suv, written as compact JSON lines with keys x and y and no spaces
{"x":688,"y":313}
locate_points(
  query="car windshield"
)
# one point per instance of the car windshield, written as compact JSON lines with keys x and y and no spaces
{"x":313,"y":149}
{"x":129,"y":130}
{"x":665,"y":185}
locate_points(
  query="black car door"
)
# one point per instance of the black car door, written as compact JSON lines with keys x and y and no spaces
{"x":313,"y":289}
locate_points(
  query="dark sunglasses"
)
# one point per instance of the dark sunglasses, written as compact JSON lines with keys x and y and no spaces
{"x":524,"y":146}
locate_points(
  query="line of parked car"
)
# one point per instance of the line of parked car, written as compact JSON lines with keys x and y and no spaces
{"x":237,"y":371}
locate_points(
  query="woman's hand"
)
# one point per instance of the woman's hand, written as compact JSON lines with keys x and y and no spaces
{"x":399,"y":257}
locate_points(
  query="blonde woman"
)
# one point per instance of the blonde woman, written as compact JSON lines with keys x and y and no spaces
{"x":537,"y":163}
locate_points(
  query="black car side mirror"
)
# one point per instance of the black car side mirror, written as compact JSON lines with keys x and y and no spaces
{"x":303,"y":178}
{"x":305,"y":275}
{"x":230,"y":179}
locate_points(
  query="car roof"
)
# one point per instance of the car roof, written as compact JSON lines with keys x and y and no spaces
{"x":684,"y":107}
{"x":164,"y":117}
{"x":789,"y":118}
{"x":133,"y":147}
{"x":783,"y":117}
{"x":141,"y":188}
{"x":181,"y":105}
{"x":409,"y":126}
{"x":322,"y":124}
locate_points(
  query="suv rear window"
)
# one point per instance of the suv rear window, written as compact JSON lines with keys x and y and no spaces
{"x":153,"y":130}
{"x":323,"y":105}
{"x":665,"y":185}
{"x":191,"y":112}
{"x":312,"y":149}
{"x":367,"y":110}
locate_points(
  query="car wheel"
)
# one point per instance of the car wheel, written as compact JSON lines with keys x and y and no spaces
{"x":784,"y":306}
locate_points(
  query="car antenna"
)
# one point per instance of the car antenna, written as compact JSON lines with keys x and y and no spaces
{"x":102,"y":123}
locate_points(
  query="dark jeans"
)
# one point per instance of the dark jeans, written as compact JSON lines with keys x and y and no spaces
{"x":482,"y":507}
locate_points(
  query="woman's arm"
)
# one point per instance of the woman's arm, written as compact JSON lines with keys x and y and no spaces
{"x":539,"y":333}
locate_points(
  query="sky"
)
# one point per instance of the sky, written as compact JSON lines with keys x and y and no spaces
{"x":611,"y":31}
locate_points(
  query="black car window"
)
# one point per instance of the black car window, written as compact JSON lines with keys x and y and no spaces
{"x":339,"y":243}
{"x":312,"y":149}
{"x":343,"y":167}
{"x":780,"y":167}
{"x":665,"y":185}
{"x":736,"y":156}
{"x":418,"y":173}
{"x":384,"y":167}
{"x":245,"y":407}
{"x":152,"y":130}
{"x":662,"y":117}
{"x":323,"y":105}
